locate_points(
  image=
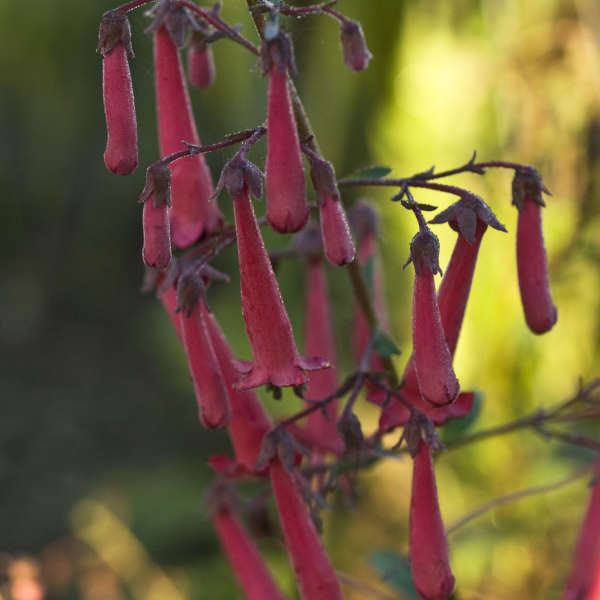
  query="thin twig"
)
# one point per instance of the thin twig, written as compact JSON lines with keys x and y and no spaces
{"x":513,"y":497}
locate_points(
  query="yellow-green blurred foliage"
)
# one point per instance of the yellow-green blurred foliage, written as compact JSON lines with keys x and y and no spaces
{"x":516,"y":80}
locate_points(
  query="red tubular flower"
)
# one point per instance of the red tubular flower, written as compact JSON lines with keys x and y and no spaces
{"x":584,"y":582}
{"x":337,"y":239}
{"x":249,"y":422}
{"x":276,"y":359}
{"x":429,"y":560}
{"x":316,"y":577}
{"x":156,"y":198}
{"x":532,"y":263}
{"x":287,"y":210}
{"x":121,"y":154}
{"x":168,"y":297}
{"x":194,"y":213}
{"x":433,"y":362}
{"x":250,"y":570}
{"x":201,"y":64}
{"x":211,"y":393}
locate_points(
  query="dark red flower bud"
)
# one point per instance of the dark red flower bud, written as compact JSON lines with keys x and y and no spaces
{"x":201,"y":64}
{"x":532,"y":263}
{"x":315,"y":573}
{"x":276,"y":359}
{"x":433,"y":361}
{"x":429,"y":562}
{"x":287,"y":210}
{"x":337,"y":239}
{"x":248,"y":566}
{"x":114,"y":43}
{"x":584,"y":582}
{"x":354,"y":48}
{"x":249,"y":422}
{"x":319,"y":341}
{"x":194,"y":212}
{"x":211,"y":393}
{"x":156,"y":197}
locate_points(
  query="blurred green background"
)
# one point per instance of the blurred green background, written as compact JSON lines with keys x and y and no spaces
{"x":102,"y":458}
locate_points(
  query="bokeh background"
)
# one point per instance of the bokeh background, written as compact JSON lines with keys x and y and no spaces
{"x":103,"y":464}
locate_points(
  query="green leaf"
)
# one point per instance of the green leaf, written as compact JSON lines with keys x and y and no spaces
{"x":372,"y":172}
{"x":384,"y":345}
{"x":369,"y":273}
{"x":395,"y":571}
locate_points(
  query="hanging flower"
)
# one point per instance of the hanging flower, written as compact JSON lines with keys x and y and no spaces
{"x":276,"y":359}
{"x":532,"y":263}
{"x":433,"y":362}
{"x":429,"y":562}
{"x":194,"y":212}
{"x":315,"y":573}
{"x":287,"y":210}
{"x":114,"y":43}
{"x":354,"y":47}
{"x":201,"y":64}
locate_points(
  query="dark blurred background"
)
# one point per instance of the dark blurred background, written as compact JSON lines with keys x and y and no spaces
{"x":102,"y":457}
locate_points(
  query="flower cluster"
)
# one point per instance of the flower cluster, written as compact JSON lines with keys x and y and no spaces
{"x":184,"y":230}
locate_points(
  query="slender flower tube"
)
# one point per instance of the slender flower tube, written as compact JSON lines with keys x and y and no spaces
{"x":249,"y":422}
{"x":532,"y":263}
{"x":287,"y":210}
{"x":194,"y":213}
{"x":114,"y":43}
{"x":168,"y":297}
{"x":319,"y":341}
{"x":248,"y":566}
{"x":316,"y":577}
{"x":157,"y":199}
{"x":337,"y":239}
{"x":276,"y":359}
{"x":586,"y":560}
{"x":211,"y":392}
{"x":201,"y":64}
{"x":429,"y":560}
{"x":433,"y":362}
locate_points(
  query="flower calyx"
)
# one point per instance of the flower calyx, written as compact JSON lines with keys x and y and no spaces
{"x":322,"y":174}
{"x":420,"y":427}
{"x":354,"y":47}
{"x":277,"y":51}
{"x":236,"y":174}
{"x":176,"y":18}
{"x":425,"y":250}
{"x":308,"y":243}
{"x":114,"y":29}
{"x":158,"y":184}
{"x":278,"y":443}
{"x":462,"y":216}
{"x":527,"y":183}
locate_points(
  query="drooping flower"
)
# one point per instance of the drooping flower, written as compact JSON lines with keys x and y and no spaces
{"x":248,"y":566}
{"x":433,"y":362}
{"x":337,"y":239}
{"x":214,"y":407}
{"x":532,"y":262}
{"x":319,"y":340}
{"x":249,"y":422}
{"x":276,"y":358}
{"x":287,"y":210}
{"x":114,"y":43}
{"x":201,"y":64}
{"x":585,"y":575}
{"x":156,"y":197}
{"x":429,"y":562}
{"x":194,"y":212}
{"x":354,"y":47}
{"x":315,"y":573}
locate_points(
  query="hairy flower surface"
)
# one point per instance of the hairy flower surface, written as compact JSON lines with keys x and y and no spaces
{"x":121,"y":154}
{"x":287,"y":210}
{"x":193,"y":213}
{"x":211,"y":392}
{"x":532,"y":262}
{"x":314,"y":571}
{"x":248,"y":566}
{"x":276,"y":358}
{"x":201,"y":63}
{"x":429,"y":560}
